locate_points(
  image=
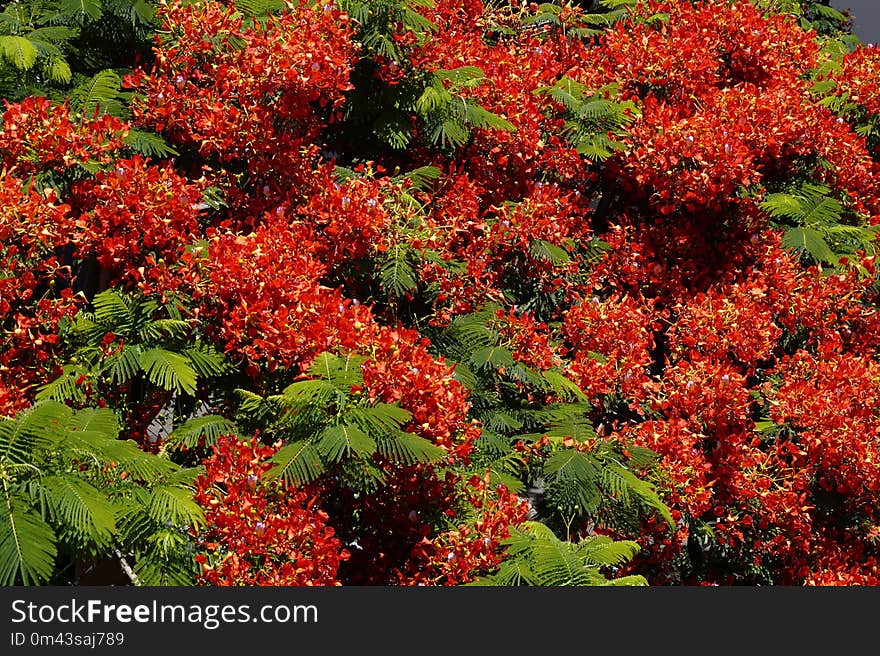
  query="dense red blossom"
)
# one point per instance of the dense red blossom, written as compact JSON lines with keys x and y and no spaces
{"x":858,"y":78}
{"x":522,"y":62}
{"x":401,"y":370}
{"x":133,"y":213}
{"x":267,"y":299}
{"x":471,"y":548}
{"x":258,"y":103}
{"x":652,"y":277}
{"x":700,"y":48}
{"x":399,"y":543}
{"x":255,"y":532}
{"x":611,"y":342}
{"x":41,"y":136}
{"x":832,"y":400}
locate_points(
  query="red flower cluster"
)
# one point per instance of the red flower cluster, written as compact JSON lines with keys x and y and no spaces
{"x":35,"y":228}
{"x":858,"y":78}
{"x":40,"y":136}
{"x":726,"y":104}
{"x":473,"y":548}
{"x":134,"y":215}
{"x":611,"y":342}
{"x":712,"y":342}
{"x":256,"y":533}
{"x":240,"y":91}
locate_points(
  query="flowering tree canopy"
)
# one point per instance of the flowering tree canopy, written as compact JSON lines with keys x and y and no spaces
{"x":396,"y":292}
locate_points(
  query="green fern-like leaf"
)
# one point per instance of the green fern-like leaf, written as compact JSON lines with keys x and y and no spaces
{"x":450,"y":132}
{"x":422,"y":178}
{"x":568,"y":420}
{"x":154,"y":570}
{"x":81,"y":10}
{"x":149,"y":144}
{"x":409,"y":449}
{"x":59,"y":70}
{"x":101,"y":92}
{"x":535,"y":556}
{"x":393,"y":127}
{"x":340,"y":440}
{"x":258,"y":8}
{"x":573,"y":478}
{"x":432,"y":99}
{"x":810,"y":241}
{"x":40,"y":427}
{"x":827,"y":12}
{"x":207,"y":429}
{"x":397,"y":274}
{"x":27,"y":543}
{"x":550,"y":252}
{"x":463,"y":374}
{"x":341,"y":371}
{"x":79,"y":507}
{"x":296,"y":464}
{"x":99,"y":420}
{"x":818,"y":224}
{"x":124,"y":455}
{"x":123,"y":366}
{"x":479,"y":117}
{"x":596,"y":120}
{"x":495,"y":356}
{"x":599,"y":147}
{"x":161,"y":328}
{"x":562,"y":386}
{"x":312,"y":392}
{"x":207,"y":361}
{"x":115,"y":309}
{"x":18,"y":51}
{"x":600,"y":550}
{"x":809,"y":204}
{"x":558,"y":564}
{"x":64,"y":387}
{"x":141,"y":11}
{"x":624,"y":483}
{"x":379,"y":419}
{"x":174,"y":505}
{"x":169,"y":370}
{"x":254,"y":406}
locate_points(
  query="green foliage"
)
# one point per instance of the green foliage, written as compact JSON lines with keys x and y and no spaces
{"x":578,"y":26}
{"x":100,"y":93}
{"x":397,"y":272}
{"x":819,"y":225}
{"x":378,"y":21}
{"x":819,"y":16}
{"x":77,"y":51}
{"x":581,"y":475}
{"x":259,"y":9}
{"x":154,"y":346}
{"x":435,"y":105}
{"x":593,"y":118}
{"x":581,"y":482}
{"x":327,"y":425}
{"x":70,"y":488}
{"x":156,"y":520}
{"x":200,"y":431}
{"x":536,"y":557}
{"x":381,"y":114}
{"x":393,"y":270}
{"x":32,"y":45}
{"x":49,"y":46}
{"x":448,"y":114}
